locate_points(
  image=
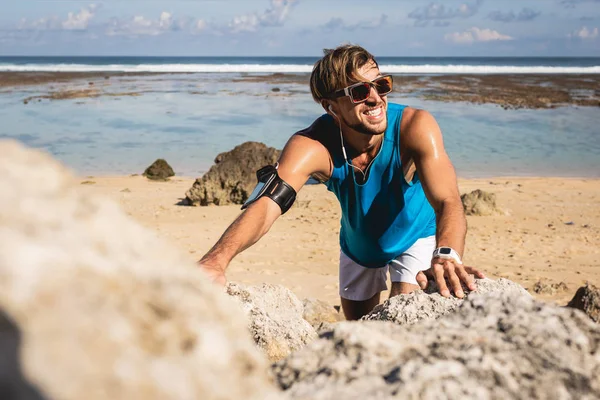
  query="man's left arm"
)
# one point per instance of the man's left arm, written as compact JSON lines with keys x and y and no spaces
{"x":436,"y":172}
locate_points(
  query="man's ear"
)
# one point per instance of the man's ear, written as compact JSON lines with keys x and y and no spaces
{"x":328,"y":108}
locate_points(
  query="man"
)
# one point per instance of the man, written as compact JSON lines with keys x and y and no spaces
{"x":397,"y":188}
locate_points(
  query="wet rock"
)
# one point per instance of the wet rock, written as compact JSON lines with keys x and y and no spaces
{"x":160,"y":170}
{"x":275,"y":316}
{"x":106,"y":310}
{"x":233,"y":177}
{"x":495,"y":346}
{"x":316,"y":312}
{"x":480,"y":203}
{"x":587,"y":299}
{"x":408,"y":309}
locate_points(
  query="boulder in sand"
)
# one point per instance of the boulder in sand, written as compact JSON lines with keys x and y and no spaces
{"x":317,"y":312}
{"x":480,"y":203}
{"x":106,"y":310}
{"x":498,"y":345}
{"x":233,"y":177}
{"x":275,"y":316}
{"x":160,"y":170}
{"x":587,"y":299}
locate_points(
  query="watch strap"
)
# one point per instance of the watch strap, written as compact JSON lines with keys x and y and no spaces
{"x":447,"y":253}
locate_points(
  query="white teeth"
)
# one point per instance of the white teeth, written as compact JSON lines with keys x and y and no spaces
{"x":374,"y":113}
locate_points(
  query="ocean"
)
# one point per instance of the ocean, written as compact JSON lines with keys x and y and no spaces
{"x":200,"y":107}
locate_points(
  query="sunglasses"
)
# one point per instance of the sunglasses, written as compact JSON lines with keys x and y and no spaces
{"x":359,"y":92}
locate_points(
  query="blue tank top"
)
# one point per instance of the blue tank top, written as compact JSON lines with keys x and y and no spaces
{"x":385,"y":216}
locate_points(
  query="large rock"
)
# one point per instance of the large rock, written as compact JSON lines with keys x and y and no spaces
{"x":275,"y":316}
{"x":317,"y":312}
{"x":233,"y":177}
{"x":160,"y":170}
{"x":495,"y":346}
{"x":410,"y":308}
{"x":480,"y":203}
{"x":587,"y":299}
{"x":106,"y":310}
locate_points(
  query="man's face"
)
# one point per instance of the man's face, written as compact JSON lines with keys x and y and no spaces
{"x":369,"y":117}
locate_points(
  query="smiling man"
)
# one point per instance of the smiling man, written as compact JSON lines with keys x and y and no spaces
{"x":386,"y":163}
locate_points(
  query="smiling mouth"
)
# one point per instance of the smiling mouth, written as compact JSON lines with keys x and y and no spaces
{"x":374,"y":112}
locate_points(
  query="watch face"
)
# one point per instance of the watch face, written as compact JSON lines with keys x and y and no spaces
{"x":445,"y":250}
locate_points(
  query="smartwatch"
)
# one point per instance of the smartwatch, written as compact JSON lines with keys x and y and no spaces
{"x":447,"y":253}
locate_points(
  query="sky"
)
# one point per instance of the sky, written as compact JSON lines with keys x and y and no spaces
{"x":300,"y":27}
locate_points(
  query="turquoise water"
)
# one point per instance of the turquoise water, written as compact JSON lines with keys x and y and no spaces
{"x":189,"y":119}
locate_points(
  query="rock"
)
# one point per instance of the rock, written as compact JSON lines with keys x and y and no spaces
{"x":106,"y":310}
{"x":317,"y":311}
{"x":480,"y":203}
{"x":544,"y":287}
{"x":495,"y":346}
{"x":587,"y":299}
{"x":233,"y":177}
{"x":275,"y":316}
{"x":160,"y":170}
{"x":408,"y":309}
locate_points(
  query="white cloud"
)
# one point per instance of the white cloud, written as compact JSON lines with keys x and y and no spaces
{"x":435,"y":11}
{"x":475,"y":35}
{"x":275,"y":15}
{"x":339,"y":24}
{"x":74,"y":21}
{"x":81,"y":20}
{"x":141,"y":26}
{"x":584,"y":33}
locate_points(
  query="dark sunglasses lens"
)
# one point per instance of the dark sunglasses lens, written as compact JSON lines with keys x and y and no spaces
{"x":383,"y":85}
{"x":360,"y":93}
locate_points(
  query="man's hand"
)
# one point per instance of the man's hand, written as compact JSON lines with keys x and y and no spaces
{"x":215,"y":274}
{"x":445,"y":272}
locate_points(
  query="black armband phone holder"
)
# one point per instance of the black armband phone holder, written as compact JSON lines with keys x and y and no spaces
{"x":271,"y":185}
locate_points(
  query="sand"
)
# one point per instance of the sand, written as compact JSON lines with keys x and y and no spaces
{"x":549,"y":232}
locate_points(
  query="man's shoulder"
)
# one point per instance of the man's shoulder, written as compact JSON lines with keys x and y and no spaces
{"x":319,"y":131}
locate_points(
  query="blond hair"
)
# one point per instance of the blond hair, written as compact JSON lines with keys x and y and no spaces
{"x":337,"y":69}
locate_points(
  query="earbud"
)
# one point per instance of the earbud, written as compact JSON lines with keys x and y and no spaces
{"x":331,"y":110}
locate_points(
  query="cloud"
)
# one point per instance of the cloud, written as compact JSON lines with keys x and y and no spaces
{"x":275,"y":15}
{"x":338,"y":24}
{"x":526,"y":14}
{"x":475,"y":35}
{"x":81,"y":20}
{"x":435,"y":11}
{"x":73,"y":22}
{"x":584,"y":33}
{"x":141,"y":26}
{"x":574,"y":3}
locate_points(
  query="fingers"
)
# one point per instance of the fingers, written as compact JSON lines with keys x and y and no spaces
{"x":475,"y":271}
{"x":438,"y":274}
{"x":465,"y":277}
{"x":422,"y":280}
{"x":453,"y":279}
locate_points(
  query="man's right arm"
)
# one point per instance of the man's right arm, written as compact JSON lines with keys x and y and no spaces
{"x":301,"y":158}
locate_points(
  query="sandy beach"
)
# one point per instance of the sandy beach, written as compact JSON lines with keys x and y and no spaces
{"x":548,"y":233}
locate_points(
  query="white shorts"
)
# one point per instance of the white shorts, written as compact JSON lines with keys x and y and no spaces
{"x":359,"y":283}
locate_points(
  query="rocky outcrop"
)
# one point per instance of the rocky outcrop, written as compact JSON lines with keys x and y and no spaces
{"x":587,"y":299}
{"x":106,"y":310}
{"x":317,"y":312}
{"x":160,"y":170}
{"x":233,"y":177}
{"x":480,"y":203}
{"x":495,"y":346}
{"x":421,"y":305}
{"x":275,"y":316}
